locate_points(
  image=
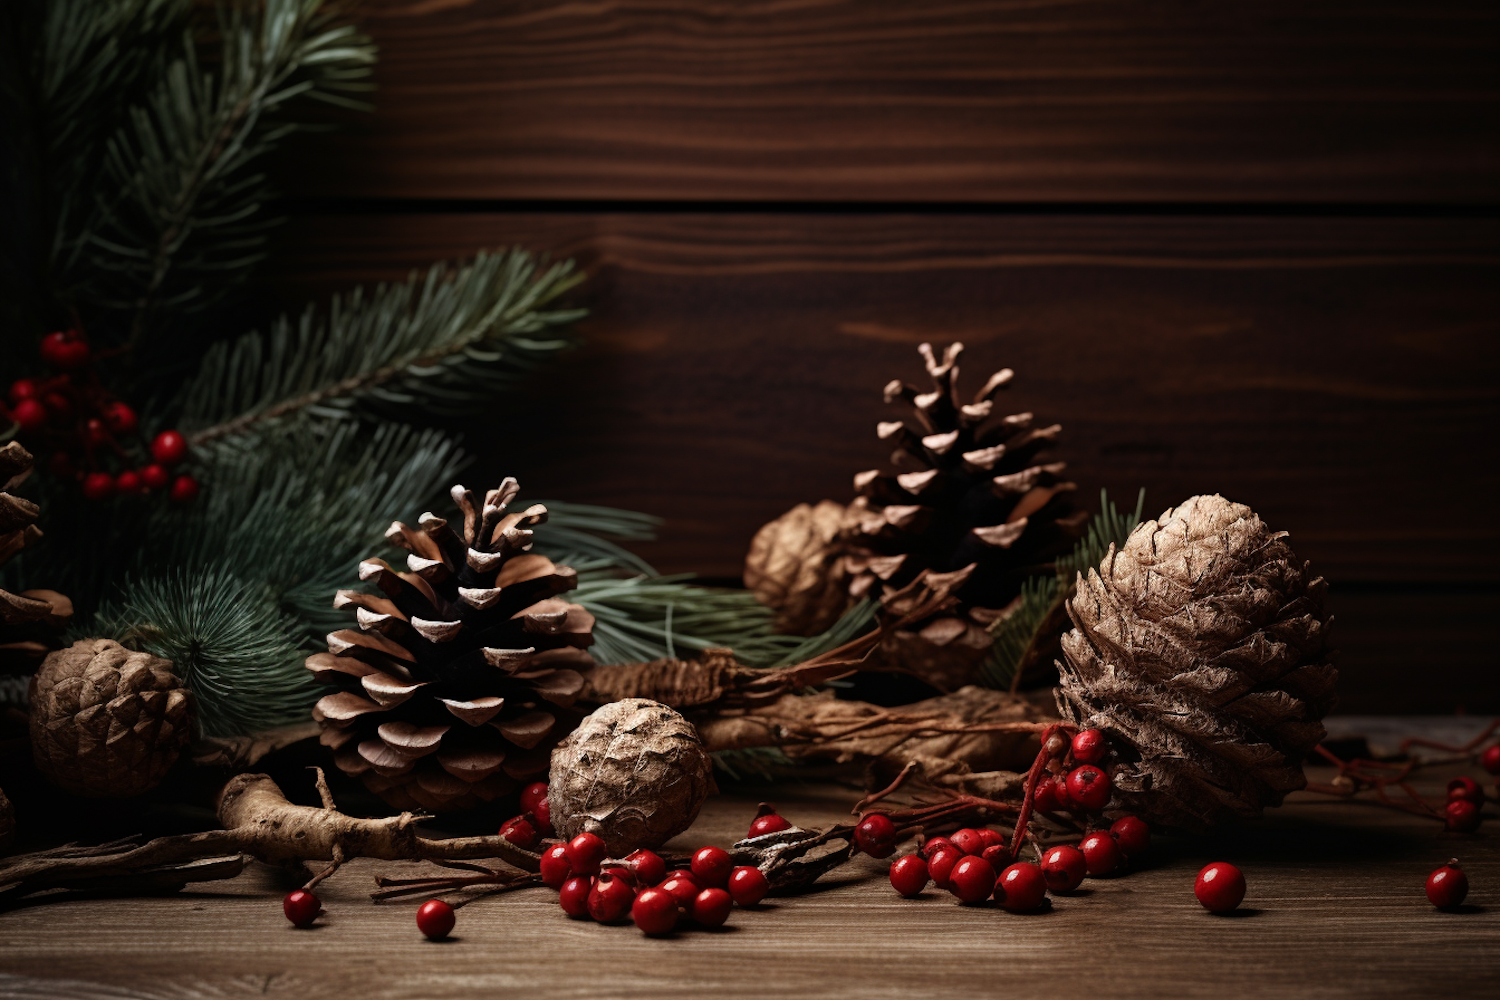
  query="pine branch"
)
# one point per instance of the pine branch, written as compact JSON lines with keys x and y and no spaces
{"x":444,"y":342}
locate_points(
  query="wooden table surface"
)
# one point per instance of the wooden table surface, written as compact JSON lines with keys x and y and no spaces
{"x":1335,"y":908}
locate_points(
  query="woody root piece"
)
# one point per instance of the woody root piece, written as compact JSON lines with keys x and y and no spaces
{"x":259,"y":822}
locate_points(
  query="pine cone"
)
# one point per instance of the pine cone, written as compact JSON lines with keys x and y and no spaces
{"x":452,"y":686}
{"x":31,"y":620}
{"x":106,"y":721}
{"x":1201,"y":648}
{"x":795,"y":565}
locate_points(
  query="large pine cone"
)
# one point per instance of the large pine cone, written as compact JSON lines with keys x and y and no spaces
{"x":106,"y":721}
{"x":455,"y":684}
{"x":1201,"y":648}
{"x":31,"y":620}
{"x":975,"y":499}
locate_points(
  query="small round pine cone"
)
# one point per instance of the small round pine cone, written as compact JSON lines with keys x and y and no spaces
{"x":795,"y":566}
{"x":107,"y":722}
{"x":1201,"y":648}
{"x":634,"y":773}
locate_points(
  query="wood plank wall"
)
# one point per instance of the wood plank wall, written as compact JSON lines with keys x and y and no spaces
{"x":1244,"y":247}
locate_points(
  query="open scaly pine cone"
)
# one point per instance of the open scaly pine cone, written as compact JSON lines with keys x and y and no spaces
{"x":461,"y":678}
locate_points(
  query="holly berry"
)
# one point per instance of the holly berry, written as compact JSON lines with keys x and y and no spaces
{"x":972,"y":880}
{"x":1063,"y":868}
{"x":519,"y":831}
{"x":98,"y":485}
{"x":1447,"y":886}
{"x":573,"y":897}
{"x":66,"y":350}
{"x":610,"y":899}
{"x":184,"y":489}
{"x":155,"y":477}
{"x":997,"y":855}
{"x":1090,"y":746}
{"x":169,"y":448}
{"x":1220,"y":887}
{"x":967,"y":840}
{"x":1461,"y":816}
{"x":23,"y":388}
{"x":991,"y":838}
{"x":120,"y":418}
{"x":585,"y":851}
{"x":1490,"y":759}
{"x":301,"y":907}
{"x":1133,"y":835}
{"x":748,"y":885}
{"x":711,"y":907}
{"x":931,"y":847}
{"x":1045,"y":798}
{"x":555,"y":868}
{"x":30,"y":414}
{"x":1021,"y":888}
{"x":647,"y":866}
{"x":532,"y":794}
{"x":767,"y":821}
{"x":940,"y":866}
{"x":682,"y":887}
{"x":1466,"y":789}
{"x":654,"y":912}
{"x":711,"y":867}
{"x":95,"y":433}
{"x":435,"y":919}
{"x":876,"y":835}
{"x":128,"y":482}
{"x":909,"y":875}
{"x":1088,"y":787}
{"x":1101,"y":853}
{"x":541,"y":818}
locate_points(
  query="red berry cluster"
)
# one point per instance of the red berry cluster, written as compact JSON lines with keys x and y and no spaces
{"x":534,"y":823}
{"x":1077,"y":783}
{"x":966,"y":864}
{"x":1465,"y":799}
{"x":92,"y":435}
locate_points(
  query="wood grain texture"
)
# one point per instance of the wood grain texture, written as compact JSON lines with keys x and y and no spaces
{"x":1335,"y":909}
{"x":944,"y":101}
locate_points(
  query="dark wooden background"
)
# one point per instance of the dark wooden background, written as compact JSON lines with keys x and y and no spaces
{"x":1238,"y":247}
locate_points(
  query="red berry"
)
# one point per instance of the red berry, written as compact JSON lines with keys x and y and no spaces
{"x":65,"y":349}
{"x":59,"y":407}
{"x":128,"y":482}
{"x":682,"y":887}
{"x":1063,"y":868}
{"x":748,"y":885}
{"x":654,"y":912}
{"x":541,"y":818}
{"x":532,"y":794}
{"x":30,"y":414}
{"x":555,"y":867}
{"x":711,"y":867}
{"x":1490,"y":759}
{"x":610,"y":899}
{"x":972,"y":879}
{"x":155,"y":477}
{"x":1461,"y":816}
{"x":120,"y":418}
{"x":585,"y":851}
{"x":967,"y":840}
{"x":711,"y":907}
{"x":1021,"y":887}
{"x":991,"y":838}
{"x":647,"y":866}
{"x":769,"y":823}
{"x":1466,"y":789}
{"x":1088,"y":787}
{"x":1101,"y":853}
{"x":876,"y":835}
{"x":1090,"y":746}
{"x":23,"y":388}
{"x":1046,"y":799}
{"x":1447,"y":886}
{"x":909,"y":875}
{"x":435,"y":919}
{"x":1133,"y":834}
{"x":998,"y":855}
{"x":95,"y":432}
{"x":184,"y":489}
{"x":301,"y":907}
{"x":98,"y":485}
{"x":169,"y":448}
{"x":573,"y":897}
{"x":519,"y":831}
{"x":1220,"y":887}
{"x":931,"y":847}
{"x":940,"y":866}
